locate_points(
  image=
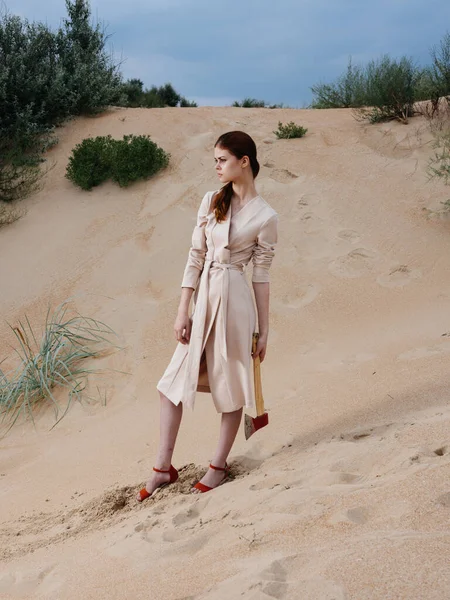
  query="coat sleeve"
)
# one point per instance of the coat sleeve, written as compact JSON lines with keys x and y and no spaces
{"x":264,"y":250}
{"x":197,"y":251}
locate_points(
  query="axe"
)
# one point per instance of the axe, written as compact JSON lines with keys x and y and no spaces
{"x":262,"y":418}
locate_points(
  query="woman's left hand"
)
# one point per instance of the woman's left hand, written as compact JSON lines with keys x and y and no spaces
{"x":261,"y":348}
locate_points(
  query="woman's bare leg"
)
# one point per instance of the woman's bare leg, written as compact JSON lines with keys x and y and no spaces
{"x":170,"y":419}
{"x":228,"y":430}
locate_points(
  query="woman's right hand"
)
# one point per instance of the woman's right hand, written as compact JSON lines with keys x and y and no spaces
{"x":182,"y":328}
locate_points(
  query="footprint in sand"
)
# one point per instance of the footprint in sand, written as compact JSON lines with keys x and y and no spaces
{"x":24,"y":584}
{"x":300,"y":297}
{"x":304,"y":202}
{"x":283,"y":175}
{"x":335,"y":478}
{"x":361,"y":434}
{"x":357,"y":263}
{"x":311,"y":223}
{"x":358,"y":516}
{"x":349,"y":235}
{"x":186,"y":515}
{"x":398,"y":276}
{"x":283,"y":582}
{"x":270,"y":483}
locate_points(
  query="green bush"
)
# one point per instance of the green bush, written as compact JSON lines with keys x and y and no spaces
{"x":95,"y":160}
{"x":46,"y":76}
{"x":348,"y":91}
{"x":90,"y":162}
{"x":441,"y":67}
{"x":290,"y":130}
{"x":390,"y":90}
{"x":136,"y":157}
{"x":185,"y":103}
{"x":133,"y":95}
{"x":150,"y":99}
{"x":91,"y":78}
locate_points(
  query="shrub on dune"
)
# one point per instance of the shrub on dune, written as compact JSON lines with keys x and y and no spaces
{"x":390,"y":90}
{"x":348,"y":91}
{"x":90,"y":163}
{"x":136,"y":157}
{"x":289,"y":131}
{"x":93,"y":161}
{"x":55,"y":361}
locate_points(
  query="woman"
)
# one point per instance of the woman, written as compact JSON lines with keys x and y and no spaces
{"x":214,"y":353}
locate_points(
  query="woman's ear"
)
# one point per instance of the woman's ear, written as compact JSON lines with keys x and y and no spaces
{"x":245,"y":162}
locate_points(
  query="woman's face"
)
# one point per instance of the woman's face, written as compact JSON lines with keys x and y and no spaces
{"x":228,"y":167}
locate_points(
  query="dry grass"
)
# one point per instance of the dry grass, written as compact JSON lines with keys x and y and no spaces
{"x":9,"y":214}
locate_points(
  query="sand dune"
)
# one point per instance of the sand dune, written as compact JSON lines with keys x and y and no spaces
{"x":346,"y":495}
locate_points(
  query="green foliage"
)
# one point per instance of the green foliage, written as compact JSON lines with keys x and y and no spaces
{"x":150,"y":99}
{"x":390,"y":90}
{"x":439,"y":164}
{"x":46,"y":76}
{"x":91,"y":78}
{"x":290,"y":130}
{"x":383,"y":90}
{"x":167,"y":94}
{"x":348,"y":91}
{"x":136,"y":157}
{"x":185,"y":103}
{"x":253,"y":103}
{"x":134,"y":95}
{"x":441,"y":67}
{"x":250,"y":103}
{"x":55,"y":361}
{"x":132,"y":89}
{"x":95,"y":160}
{"x":90,"y":162}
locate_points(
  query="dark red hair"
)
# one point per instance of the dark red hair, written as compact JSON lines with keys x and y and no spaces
{"x":239,"y":144}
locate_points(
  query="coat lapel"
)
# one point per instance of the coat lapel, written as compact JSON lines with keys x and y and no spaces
{"x":222,"y":238}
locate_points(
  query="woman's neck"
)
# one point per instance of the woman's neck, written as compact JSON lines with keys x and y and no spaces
{"x":244,"y":191}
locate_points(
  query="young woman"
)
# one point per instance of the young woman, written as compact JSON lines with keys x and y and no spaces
{"x":214,"y":353}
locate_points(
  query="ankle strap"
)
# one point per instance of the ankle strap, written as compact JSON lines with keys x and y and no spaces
{"x":211,"y":466}
{"x":159,"y":470}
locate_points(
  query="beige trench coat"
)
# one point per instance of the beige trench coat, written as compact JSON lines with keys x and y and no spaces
{"x":218,"y":358}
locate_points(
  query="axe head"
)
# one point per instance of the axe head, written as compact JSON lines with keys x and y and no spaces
{"x":252,"y":424}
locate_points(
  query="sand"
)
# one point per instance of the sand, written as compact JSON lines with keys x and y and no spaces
{"x":346,"y":494}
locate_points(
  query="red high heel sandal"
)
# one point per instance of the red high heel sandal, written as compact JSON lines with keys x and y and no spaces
{"x":204,"y":488}
{"x":173,"y":477}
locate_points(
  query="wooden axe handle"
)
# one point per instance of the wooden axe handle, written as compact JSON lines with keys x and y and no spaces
{"x":257,"y":379}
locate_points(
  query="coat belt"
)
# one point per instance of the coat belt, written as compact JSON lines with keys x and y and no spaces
{"x":196,"y":344}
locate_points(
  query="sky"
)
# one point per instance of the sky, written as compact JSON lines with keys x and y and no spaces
{"x":215,"y":52}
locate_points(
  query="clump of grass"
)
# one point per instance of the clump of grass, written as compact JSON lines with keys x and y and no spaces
{"x":56,"y":361}
{"x":439,"y":164}
{"x":289,"y":131}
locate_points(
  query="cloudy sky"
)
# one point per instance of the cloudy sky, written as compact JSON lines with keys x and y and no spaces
{"x":215,"y":52}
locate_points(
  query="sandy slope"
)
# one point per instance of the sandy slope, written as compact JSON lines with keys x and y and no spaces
{"x":347,"y":494}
